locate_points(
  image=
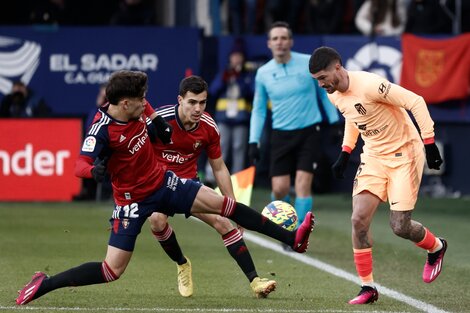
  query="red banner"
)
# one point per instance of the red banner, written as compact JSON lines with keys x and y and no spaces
{"x":436,"y":69}
{"x":37,"y":159}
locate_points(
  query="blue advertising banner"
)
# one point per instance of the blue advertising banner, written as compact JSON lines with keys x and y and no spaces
{"x":382,"y":55}
{"x":66,"y":65}
{"x":256,"y":47}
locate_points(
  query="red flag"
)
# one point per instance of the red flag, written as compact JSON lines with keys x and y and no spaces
{"x":436,"y":69}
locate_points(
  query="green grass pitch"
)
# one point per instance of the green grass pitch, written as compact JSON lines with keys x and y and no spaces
{"x":52,"y":237}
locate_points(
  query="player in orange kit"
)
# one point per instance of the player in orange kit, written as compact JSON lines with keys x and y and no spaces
{"x":391,"y":163}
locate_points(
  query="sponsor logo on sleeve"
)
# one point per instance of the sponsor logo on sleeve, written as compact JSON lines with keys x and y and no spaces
{"x":384,"y":89}
{"x":89,"y":144}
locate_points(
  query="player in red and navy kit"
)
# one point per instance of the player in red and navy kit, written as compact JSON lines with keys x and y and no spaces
{"x":121,"y":135}
{"x":194,"y":131}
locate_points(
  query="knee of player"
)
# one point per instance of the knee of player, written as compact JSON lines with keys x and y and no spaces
{"x":400,"y":229}
{"x":280,"y":192}
{"x":359,"y":223}
{"x":222,"y":225}
{"x":158,"y":222}
{"x":401,"y":224}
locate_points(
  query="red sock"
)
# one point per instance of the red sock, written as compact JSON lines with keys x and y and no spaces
{"x":429,"y":240}
{"x":363,"y":261}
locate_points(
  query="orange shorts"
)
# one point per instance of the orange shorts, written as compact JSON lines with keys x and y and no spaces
{"x":394,"y":179}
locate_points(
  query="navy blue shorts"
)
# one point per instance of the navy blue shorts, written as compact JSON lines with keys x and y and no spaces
{"x":175,"y":196}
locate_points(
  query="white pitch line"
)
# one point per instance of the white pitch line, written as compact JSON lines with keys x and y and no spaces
{"x":420,"y":305}
{"x":156,"y":309}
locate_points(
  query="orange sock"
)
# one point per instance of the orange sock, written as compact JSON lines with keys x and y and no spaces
{"x":363,"y":261}
{"x":429,"y":242}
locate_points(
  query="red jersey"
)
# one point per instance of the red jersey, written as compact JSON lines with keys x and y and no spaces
{"x":134,"y":169}
{"x":180,"y":156}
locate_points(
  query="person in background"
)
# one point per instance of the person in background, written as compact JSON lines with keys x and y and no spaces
{"x":101,"y":100}
{"x":92,"y":190}
{"x":194,"y":132}
{"x":242,"y":16}
{"x":428,"y":17}
{"x":291,"y":11}
{"x":297,"y":101}
{"x":134,"y":12}
{"x":392,"y":160}
{"x":327,"y":16}
{"x":233,"y":89}
{"x":23,"y":102}
{"x":381,"y":17}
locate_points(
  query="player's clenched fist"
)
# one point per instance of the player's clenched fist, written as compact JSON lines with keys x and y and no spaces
{"x":433,"y":157}
{"x":340,"y":165}
{"x":164,"y":130}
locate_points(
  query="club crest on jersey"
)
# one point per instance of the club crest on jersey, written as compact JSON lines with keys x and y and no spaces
{"x":197,"y":144}
{"x":125,"y":223}
{"x":360,"y":109}
{"x":89,"y":144}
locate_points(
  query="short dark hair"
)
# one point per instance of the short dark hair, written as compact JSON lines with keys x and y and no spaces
{"x":19,"y":83}
{"x":194,"y":84}
{"x":280,"y":24}
{"x":126,"y":84}
{"x":321,"y":58}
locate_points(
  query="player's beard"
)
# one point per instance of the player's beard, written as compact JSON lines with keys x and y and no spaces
{"x":137,"y":115}
{"x":333,"y":86}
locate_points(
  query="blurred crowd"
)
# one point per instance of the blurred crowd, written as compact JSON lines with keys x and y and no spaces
{"x":216,"y":17}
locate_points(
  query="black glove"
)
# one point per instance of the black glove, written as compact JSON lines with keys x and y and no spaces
{"x":253,"y":153}
{"x":99,"y":170}
{"x":433,"y":157}
{"x":164,"y":130}
{"x":340,"y":165}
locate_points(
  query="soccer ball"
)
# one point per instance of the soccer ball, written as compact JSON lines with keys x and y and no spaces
{"x":281,"y":213}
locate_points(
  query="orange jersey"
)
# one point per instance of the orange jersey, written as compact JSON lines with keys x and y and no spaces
{"x":377,"y":109}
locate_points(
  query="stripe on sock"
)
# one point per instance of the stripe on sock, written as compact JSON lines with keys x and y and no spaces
{"x":107,"y":272}
{"x":232,"y":237}
{"x":228,"y":207}
{"x":164,"y":234}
